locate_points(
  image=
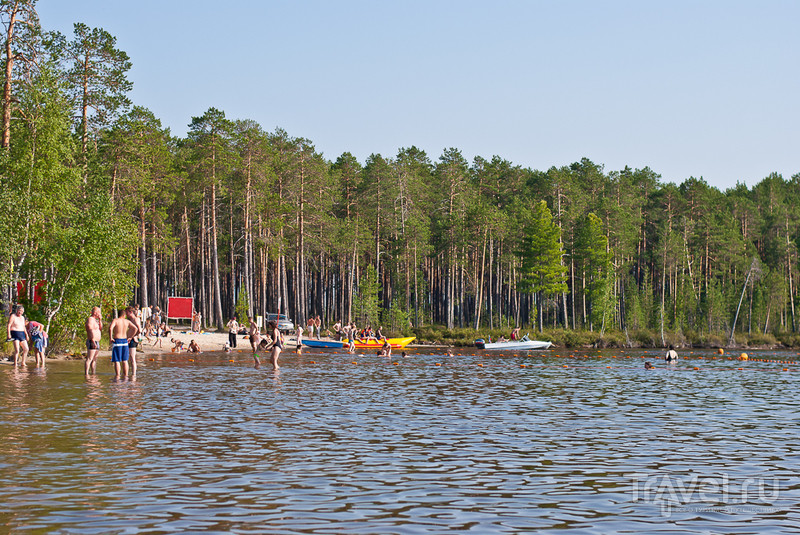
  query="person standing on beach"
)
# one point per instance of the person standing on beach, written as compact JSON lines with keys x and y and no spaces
{"x":318,"y":326}
{"x":133,"y":336}
{"x":118,"y":333}
{"x":310,"y":326}
{"x":94,"y":329}
{"x":16,"y":332}
{"x":233,"y":330}
{"x":146,"y":313}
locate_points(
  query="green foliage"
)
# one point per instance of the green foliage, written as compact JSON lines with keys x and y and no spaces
{"x":242,"y":305}
{"x":594,"y":259}
{"x":396,"y":318}
{"x":541,"y":253}
{"x":366,"y":307}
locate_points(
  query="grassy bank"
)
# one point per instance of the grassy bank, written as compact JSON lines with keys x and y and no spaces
{"x":440,"y":335}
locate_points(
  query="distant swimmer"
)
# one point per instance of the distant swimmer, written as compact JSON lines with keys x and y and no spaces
{"x":671,"y":354}
{"x":648,"y":366}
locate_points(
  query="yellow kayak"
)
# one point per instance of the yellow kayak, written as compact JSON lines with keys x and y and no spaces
{"x":372,"y":343}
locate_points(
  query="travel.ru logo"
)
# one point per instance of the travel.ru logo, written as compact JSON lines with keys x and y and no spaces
{"x":698,"y":493}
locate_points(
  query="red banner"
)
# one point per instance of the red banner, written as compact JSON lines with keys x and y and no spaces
{"x":38,"y":290}
{"x":180,"y":307}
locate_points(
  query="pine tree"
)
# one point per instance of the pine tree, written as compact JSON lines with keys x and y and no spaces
{"x":542,"y":271}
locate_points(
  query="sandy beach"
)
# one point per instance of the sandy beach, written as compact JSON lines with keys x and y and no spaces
{"x":208,"y":342}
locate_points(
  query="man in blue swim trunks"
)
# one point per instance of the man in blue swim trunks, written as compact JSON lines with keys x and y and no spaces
{"x":16,"y":331}
{"x":118,"y":333}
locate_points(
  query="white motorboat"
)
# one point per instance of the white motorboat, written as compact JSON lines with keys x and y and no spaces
{"x":523,"y":344}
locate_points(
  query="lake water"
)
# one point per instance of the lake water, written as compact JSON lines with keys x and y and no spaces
{"x":337,"y":443}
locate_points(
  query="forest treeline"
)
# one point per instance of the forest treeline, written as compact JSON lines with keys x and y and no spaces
{"x":106,"y":207}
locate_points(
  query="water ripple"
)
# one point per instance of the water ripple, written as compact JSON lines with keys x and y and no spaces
{"x":359,"y":445}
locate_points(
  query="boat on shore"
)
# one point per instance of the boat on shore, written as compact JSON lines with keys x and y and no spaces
{"x":524,"y":344}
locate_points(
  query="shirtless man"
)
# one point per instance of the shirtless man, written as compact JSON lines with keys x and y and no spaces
{"x":133,"y":336}
{"x":310,"y":325}
{"x":94,"y":329}
{"x":118,"y":332}
{"x":16,"y":331}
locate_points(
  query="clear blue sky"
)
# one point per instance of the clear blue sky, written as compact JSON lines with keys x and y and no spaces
{"x":690,"y":88}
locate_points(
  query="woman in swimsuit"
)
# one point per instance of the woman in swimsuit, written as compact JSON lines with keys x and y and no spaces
{"x":277,"y":343}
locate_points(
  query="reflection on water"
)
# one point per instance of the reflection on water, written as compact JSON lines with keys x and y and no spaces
{"x":359,"y":443}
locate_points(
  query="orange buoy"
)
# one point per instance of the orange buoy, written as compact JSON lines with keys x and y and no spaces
{"x":697,"y":368}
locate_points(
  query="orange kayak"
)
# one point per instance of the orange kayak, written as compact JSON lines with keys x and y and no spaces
{"x":372,"y":343}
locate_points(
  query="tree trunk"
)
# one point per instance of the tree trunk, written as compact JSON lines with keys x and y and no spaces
{"x":190,"y":278}
{"x":9,"y":76}
{"x":789,"y":269}
{"x":143,"y":280}
{"x":215,"y":257}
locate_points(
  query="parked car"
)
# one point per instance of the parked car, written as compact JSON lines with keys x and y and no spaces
{"x":283,"y":322}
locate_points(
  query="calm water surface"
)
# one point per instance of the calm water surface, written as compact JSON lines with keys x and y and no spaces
{"x":336,"y":443}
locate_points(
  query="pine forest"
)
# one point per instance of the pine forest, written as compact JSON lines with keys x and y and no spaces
{"x":103,"y":206}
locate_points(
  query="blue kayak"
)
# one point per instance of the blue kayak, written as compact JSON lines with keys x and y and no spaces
{"x":323,"y":343}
